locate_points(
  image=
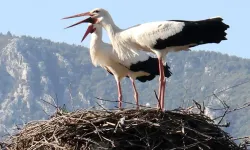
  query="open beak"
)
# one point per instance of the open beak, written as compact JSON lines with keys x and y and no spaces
{"x":88,"y":20}
{"x":89,"y":30}
{"x":78,"y":15}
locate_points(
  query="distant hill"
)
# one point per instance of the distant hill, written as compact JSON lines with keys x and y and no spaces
{"x":33,"y":69}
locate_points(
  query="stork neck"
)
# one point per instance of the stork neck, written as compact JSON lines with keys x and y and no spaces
{"x":96,"y":37}
{"x":110,"y":27}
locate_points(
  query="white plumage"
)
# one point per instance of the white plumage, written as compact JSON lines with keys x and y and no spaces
{"x":158,"y":37}
{"x":102,"y":54}
{"x":144,"y":35}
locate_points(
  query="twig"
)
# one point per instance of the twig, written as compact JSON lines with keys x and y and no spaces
{"x":48,"y":103}
{"x":115,"y":101}
{"x":158,"y":101}
{"x":103,"y":107}
{"x":240,"y":138}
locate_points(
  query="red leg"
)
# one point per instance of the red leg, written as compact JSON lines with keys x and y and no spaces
{"x":163,"y":88}
{"x":119,"y":94}
{"x":159,"y":90}
{"x":162,"y":84}
{"x":135,"y":93}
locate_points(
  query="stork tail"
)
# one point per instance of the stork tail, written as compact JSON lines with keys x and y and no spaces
{"x":196,"y":33}
{"x":210,"y":30}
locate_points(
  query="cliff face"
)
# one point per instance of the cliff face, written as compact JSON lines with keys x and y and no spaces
{"x":32,"y":69}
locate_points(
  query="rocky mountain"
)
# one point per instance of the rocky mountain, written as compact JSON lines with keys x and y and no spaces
{"x":35,"y":70}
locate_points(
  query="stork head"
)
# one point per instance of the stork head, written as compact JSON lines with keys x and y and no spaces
{"x":97,"y":16}
{"x":92,"y":28}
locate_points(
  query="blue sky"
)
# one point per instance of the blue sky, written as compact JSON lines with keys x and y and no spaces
{"x":43,"y":18}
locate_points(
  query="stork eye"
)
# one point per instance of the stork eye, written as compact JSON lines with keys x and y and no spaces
{"x":96,"y":11}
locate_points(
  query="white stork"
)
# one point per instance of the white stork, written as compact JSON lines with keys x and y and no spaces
{"x":158,"y":37}
{"x":141,"y":67}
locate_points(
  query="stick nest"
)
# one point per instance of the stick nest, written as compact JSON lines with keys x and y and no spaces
{"x":144,"y":129}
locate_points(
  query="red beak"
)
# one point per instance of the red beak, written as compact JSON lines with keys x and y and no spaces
{"x":78,"y":15}
{"x":88,"y":20}
{"x":89,"y":30}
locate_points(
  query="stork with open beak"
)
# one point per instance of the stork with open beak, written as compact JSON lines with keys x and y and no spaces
{"x":159,"y":37}
{"x":141,"y":67}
